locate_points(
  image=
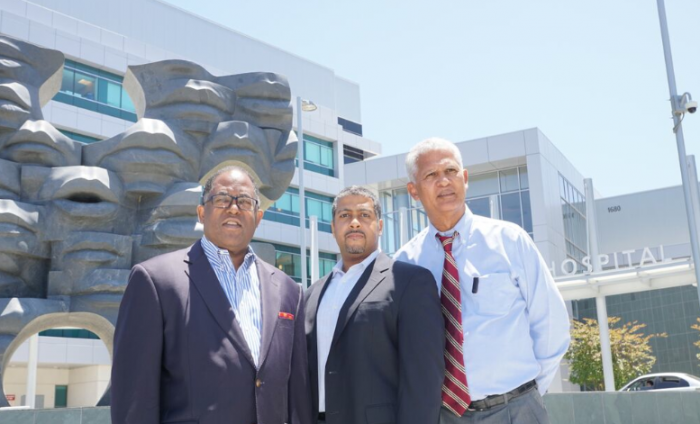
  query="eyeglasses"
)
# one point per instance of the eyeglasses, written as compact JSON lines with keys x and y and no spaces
{"x":225,"y":201}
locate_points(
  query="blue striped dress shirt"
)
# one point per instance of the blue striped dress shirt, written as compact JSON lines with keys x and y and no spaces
{"x":242,"y":288}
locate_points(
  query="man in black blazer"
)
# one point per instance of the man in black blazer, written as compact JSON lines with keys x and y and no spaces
{"x":375,"y":331}
{"x":201,"y":344}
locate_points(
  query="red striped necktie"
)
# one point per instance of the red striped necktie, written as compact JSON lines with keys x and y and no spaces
{"x":455,"y":391}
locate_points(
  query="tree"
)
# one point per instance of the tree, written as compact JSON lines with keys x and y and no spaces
{"x":631,"y":352}
{"x":696,"y":344}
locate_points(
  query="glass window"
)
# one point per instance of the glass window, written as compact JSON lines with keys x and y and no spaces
{"x":670,"y":382}
{"x":562,"y":187}
{"x":401,"y":199}
{"x":482,"y":185}
{"x":127,"y":104}
{"x":480,"y":206}
{"x":289,"y":263}
{"x":312,"y":152}
{"x":109,"y":93}
{"x":327,"y":157}
{"x":387,"y":201}
{"x":85,"y":86}
{"x":391,"y":234}
{"x":510,"y":208}
{"x":93,"y":89}
{"x":509,"y":180}
{"x":419,"y":220}
{"x":318,"y":155}
{"x":524,"y":181}
{"x":68,"y":81}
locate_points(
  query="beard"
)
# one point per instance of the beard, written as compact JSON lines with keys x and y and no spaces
{"x":355,"y":249}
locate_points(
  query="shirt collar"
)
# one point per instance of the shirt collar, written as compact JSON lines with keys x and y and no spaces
{"x":338,"y":268}
{"x":462,"y":227}
{"x":218,"y":256}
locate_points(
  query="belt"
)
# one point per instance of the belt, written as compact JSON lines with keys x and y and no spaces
{"x":322,"y":416}
{"x":495,"y":400}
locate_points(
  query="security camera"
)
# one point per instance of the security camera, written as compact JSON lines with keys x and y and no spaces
{"x":687,"y":104}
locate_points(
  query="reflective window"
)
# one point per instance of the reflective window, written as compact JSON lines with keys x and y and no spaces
{"x":524,"y":181}
{"x":288,"y":259}
{"x":318,"y":155}
{"x":352,"y":154}
{"x":482,"y":185}
{"x":509,"y":180}
{"x":670,"y":382}
{"x":481,"y":207}
{"x":573,"y":209}
{"x":286,"y":209}
{"x":510,"y":208}
{"x":500,"y":195}
{"x":94,"y":89}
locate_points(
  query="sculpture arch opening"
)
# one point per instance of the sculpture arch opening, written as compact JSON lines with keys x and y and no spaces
{"x":74,"y":361}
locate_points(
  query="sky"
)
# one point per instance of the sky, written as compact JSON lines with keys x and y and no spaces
{"x":589,"y":74}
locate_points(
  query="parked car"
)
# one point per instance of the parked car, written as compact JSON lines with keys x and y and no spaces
{"x":663,"y":381}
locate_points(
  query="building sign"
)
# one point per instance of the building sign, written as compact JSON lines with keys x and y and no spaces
{"x":10,"y":397}
{"x":618,"y":260}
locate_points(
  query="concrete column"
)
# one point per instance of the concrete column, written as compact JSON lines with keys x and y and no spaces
{"x":32,"y":366}
{"x":313,"y":227}
{"x":601,"y":306}
{"x":340,"y":157}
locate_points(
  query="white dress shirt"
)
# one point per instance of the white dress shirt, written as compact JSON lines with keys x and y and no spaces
{"x":333,"y":299}
{"x":516,"y":327}
{"x":242,"y":288}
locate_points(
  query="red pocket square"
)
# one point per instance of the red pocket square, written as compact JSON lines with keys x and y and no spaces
{"x":287,"y":315}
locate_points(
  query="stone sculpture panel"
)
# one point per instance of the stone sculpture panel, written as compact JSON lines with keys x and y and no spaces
{"x":74,"y":217}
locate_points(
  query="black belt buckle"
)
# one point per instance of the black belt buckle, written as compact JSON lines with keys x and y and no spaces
{"x":496,"y":400}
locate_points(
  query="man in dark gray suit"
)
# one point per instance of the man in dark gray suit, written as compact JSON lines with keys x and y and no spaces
{"x":211,"y":334}
{"x":375,"y":330}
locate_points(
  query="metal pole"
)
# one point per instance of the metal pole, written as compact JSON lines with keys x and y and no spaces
{"x":313,"y":227}
{"x":32,"y":365}
{"x":678,"y":128}
{"x":302,"y":196}
{"x":601,"y":305}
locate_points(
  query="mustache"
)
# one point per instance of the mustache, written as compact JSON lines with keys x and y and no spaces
{"x":355,"y":232}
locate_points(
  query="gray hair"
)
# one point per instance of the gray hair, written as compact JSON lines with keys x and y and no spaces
{"x":206,"y":188}
{"x":426,"y":146}
{"x":357,"y":191}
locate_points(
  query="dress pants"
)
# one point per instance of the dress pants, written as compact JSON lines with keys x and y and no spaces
{"x":527,"y":408}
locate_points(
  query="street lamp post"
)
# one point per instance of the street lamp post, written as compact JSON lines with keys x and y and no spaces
{"x":302,"y":106}
{"x":679,"y":106}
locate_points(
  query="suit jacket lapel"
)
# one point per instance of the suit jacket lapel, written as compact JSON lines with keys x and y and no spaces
{"x":373,"y":275}
{"x":270,"y":302}
{"x":207,"y":284}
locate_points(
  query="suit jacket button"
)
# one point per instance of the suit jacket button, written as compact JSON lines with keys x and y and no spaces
{"x":258,"y":383}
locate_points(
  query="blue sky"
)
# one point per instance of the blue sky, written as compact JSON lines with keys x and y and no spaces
{"x":590,"y":74}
